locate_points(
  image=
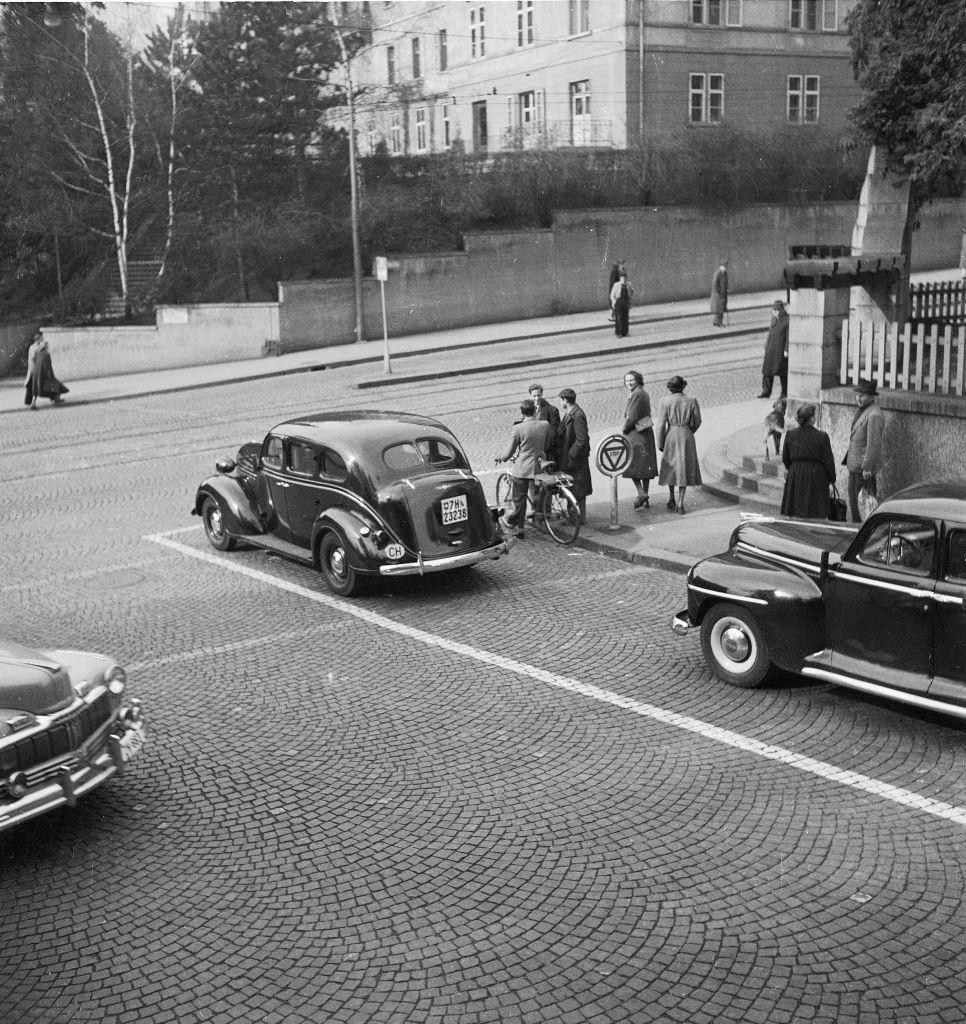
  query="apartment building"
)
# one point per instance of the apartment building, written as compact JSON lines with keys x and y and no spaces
{"x":486,"y":77}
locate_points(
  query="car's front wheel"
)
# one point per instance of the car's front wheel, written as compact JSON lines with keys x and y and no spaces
{"x":218,"y":537}
{"x":734,"y":646}
{"x":339,"y":576}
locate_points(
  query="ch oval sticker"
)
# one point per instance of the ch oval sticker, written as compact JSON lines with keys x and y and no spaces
{"x":395,"y":551}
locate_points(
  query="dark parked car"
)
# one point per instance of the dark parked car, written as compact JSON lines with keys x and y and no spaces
{"x":878,"y":608}
{"x":356,"y":494}
{"x":65,"y":728}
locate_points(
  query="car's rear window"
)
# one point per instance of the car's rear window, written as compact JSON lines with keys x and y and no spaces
{"x":423,"y":455}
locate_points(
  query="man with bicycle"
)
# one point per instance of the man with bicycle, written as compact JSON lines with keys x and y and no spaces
{"x":528,"y":446}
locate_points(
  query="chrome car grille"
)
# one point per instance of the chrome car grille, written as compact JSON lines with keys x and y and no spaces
{"x":65,"y":735}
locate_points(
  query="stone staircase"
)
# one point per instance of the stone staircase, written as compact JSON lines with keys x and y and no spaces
{"x":736,"y":470}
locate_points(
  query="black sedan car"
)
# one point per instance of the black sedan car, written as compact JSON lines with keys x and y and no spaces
{"x":879,"y":608}
{"x":65,"y":728}
{"x":357,"y":494}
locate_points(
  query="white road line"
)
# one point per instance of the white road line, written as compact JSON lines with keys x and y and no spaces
{"x":768,"y":751}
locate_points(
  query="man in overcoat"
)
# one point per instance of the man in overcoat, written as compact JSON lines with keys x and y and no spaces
{"x":528,"y":446}
{"x":550,"y":414}
{"x":775,"y":363}
{"x":573,"y":448}
{"x":719,"y":294}
{"x":863,"y":460}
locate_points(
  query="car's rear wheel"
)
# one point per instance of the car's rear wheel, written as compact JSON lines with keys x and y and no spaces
{"x":338,"y":574}
{"x":213,"y":518}
{"x":734,"y":646}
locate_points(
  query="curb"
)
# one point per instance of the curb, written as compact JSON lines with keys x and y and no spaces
{"x":534,"y":360}
{"x":655,"y":559}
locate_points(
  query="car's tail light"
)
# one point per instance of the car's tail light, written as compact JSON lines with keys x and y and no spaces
{"x":116,"y":680}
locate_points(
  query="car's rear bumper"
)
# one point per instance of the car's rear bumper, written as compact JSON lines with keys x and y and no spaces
{"x":681,"y":624}
{"x":56,"y":785}
{"x":425,"y":565}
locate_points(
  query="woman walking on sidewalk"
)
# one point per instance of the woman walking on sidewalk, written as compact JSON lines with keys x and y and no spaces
{"x":639,"y":430}
{"x":679,"y":417}
{"x":41,"y":381}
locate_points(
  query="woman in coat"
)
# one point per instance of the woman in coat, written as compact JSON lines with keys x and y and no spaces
{"x":678,"y":418}
{"x":807,"y":455}
{"x":41,"y":382}
{"x":639,"y":430}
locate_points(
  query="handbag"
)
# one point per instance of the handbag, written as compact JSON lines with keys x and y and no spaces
{"x":644,"y":423}
{"x":838,"y":510}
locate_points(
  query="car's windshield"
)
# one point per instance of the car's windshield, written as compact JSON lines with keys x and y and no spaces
{"x":421,"y":455}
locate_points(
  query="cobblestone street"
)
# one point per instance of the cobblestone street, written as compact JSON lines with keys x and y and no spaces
{"x":506,"y":794}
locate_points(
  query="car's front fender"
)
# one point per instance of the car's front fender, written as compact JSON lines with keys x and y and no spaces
{"x":237,"y":513}
{"x":787,"y":603}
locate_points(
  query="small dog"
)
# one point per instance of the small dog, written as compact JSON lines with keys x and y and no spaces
{"x":775,"y":426}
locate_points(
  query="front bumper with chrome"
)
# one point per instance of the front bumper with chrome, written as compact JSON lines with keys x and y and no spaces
{"x":425,"y":565}
{"x":681,"y":624}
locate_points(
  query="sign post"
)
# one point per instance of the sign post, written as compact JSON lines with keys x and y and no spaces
{"x":613,"y":457}
{"x":382,"y":275}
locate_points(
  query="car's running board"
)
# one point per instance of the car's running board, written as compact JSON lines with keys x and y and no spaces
{"x":885,"y":691}
{"x":278,"y":547}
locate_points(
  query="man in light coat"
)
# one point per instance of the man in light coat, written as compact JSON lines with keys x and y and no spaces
{"x":529,"y":445}
{"x":864,"y":457}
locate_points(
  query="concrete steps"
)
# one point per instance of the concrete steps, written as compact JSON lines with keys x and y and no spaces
{"x":735,"y":469}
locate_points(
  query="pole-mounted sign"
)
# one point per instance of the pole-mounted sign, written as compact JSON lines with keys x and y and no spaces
{"x":613,"y":457}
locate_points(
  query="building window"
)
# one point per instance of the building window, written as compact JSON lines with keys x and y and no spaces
{"x":705,"y":12}
{"x":705,"y":99}
{"x":581,"y":127}
{"x":803,"y":93}
{"x":395,"y":135}
{"x":524,"y":22}
{"x":422,"y":136}
{"x":477,"y":32}
{"x":443,"y":55}
{"x":527,"y":109}
{"x":814,"y":15}
{"x":445,"y":133}
{"x":579,"y":16}
{"x":417,"y":68}
{"x":391,"y":64}
{"x":733,"y":13}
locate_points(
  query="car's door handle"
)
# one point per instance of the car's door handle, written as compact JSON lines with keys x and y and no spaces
{"x":282,"y":483}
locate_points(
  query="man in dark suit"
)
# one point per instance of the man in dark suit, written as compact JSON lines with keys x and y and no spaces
{"x":573,"y":448}
{"x":775,"y":362}
{"x":864,"y":457}
{"x":550,"y":415}
{"x":528,"y":445}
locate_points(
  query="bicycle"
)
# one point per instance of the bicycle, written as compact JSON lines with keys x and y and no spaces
{"x":553,"y":506}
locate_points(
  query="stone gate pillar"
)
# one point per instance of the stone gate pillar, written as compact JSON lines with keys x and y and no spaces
{"x":815,"y":318}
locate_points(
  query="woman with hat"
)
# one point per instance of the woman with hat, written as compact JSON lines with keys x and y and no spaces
{"x":41,"y":382}
{"x":679,"y":416}
{"x":807,"y":454}
{"x":775,"y":363}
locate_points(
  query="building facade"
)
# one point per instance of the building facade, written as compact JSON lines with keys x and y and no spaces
{"x":485,"y":77}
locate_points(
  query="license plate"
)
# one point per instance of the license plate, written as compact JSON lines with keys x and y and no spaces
{"x":132,"y":742}
{"x":454,"y":509}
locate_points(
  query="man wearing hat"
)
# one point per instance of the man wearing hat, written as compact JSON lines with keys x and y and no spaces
{"x":775,"y":362}
{"x":573,"y":448}
{"x":864,"y":456}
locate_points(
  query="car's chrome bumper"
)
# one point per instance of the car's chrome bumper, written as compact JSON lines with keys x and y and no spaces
{"x":425,"y":565}
{"x":79,"y":773}
{"x":681,"y":624}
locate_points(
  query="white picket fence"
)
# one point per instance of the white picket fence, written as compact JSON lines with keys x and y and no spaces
{"x":905,"y":357}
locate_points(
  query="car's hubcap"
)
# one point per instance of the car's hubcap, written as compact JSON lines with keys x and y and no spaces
{"x":337,"y":562}
{"x":214,"y":522}
{"x":735,"y":643}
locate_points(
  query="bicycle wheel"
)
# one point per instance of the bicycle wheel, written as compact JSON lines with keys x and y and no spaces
{"x":504,"y":491}
{"x":561,"y":514}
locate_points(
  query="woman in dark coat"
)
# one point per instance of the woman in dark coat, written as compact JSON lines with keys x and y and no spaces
{"x":639,"y":430}
{"x":679,"y":416}
{"x":807,"y":455}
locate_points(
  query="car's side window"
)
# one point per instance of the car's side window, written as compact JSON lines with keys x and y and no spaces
{"x":272,"y":453}
{"x":956,"y":557}
{"x":906,"y":545}
{"x":302,"y":459}
{"x":436,"y":451}
{"x":332,"y":466}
